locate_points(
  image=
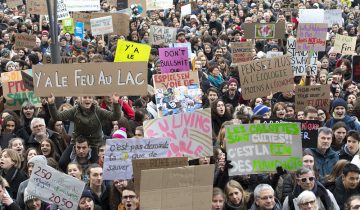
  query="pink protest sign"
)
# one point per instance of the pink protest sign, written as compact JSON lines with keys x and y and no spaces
{"x":311,"y":36}
{"x":190,"y":133}
{"x":174,"y":59}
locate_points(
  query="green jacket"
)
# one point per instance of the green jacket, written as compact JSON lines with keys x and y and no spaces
{"x":87,"y":122}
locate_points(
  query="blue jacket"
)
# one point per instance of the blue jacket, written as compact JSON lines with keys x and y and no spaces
{"x":324,"y":163}
{"x":349,"y":121}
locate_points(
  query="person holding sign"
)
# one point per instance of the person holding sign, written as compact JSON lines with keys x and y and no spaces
{"x":7,"y":203}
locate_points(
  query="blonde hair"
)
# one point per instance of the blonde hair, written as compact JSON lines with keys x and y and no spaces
{"x":14,"y":156}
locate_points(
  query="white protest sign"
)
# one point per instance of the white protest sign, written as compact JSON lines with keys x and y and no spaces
{"x":162,"y":35}
{"x":52,"y":186}
{"x":82,"y":5}
{"x":333,"y":16}
{"x":158,"y":4}
{"x":186,"y":10}
{"x":271,"y":54}
{"x":187,"y":44}
{"x":101,"y":25}
{"x":299,"y":59}
{"x":62,"y":12}
{"x":120,"y":153}
{"x":311,"y":15}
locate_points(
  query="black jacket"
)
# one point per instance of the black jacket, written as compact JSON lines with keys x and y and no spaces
{"x":341,"y":194}
{"x":14,"y":177}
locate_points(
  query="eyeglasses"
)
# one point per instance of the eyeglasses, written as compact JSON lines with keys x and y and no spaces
{"x":128,"y":197}
{"x":38,"y":126}
{"x":311,"y":179}
{"x":307,"y":203}
{"x":267,"y":197}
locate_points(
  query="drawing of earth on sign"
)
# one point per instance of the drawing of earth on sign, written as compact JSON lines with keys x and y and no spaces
{"x":264,"y":31}
{"x":136,"y":10}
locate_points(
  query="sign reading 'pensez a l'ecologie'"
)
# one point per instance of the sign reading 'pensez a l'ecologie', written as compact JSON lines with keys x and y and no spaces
{"x":260,"y":148}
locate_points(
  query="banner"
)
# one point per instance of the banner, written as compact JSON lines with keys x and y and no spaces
{"x":101,"y":25}
{"x":187,"y":188}
{"x":52,"y":186}
{"x":345,"y":44}
{"x":24,"y":41}
{"x":311,"y":16}
{"x":260,"y":148}
{"x":120,"y":152}
{"x":177,"y":92}
{"x":174,"y":59}
{"x":68,"y":25}
{"x":190,"y":133}
{"x":309,"y":130}
{"x":120,"y":21}
{"x":311,"y":36}
{"x":264,"y":30}
{"x":154,"y":163}
{"x":299,"y":59}
{"x":131,"y":51}
{"x":333,"y":16}
{"x":241,"y":51}
{"x":317,"y":96}
{"x":62,"y":12}
{"x":158,"y":4}
{"x":79,"y":29}
{"x":162,"y":35}
{"x":91,"y":79}
{"x":82,"y":5}
{"x":15,"y":92}
{"x":356,"y":68}
{"x":259,"y":78}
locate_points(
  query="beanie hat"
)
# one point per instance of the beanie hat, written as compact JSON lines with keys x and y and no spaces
{"x":27,"y":196}
{"x":87,"y":194}
{"x":5,"y":52}
{"x":38,"y":159}
{"x":339,"y":102}
{"x":44,"y":32}
{"x":120,"y":134}
{"x":231,"y":80}
{"x":261,"y":109}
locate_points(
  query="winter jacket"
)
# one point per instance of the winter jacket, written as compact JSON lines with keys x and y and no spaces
{"x":60,"y":145}
{"x":349,"y":121}
{"x":341,"y":194}
{"x":87,"y":122}
{"x":14,"y":177}
{"x":345,"y":154}
{"x":20,"y":194}
{"x":276,"y":207}
{"x":13,"y":206}
{"x":324,"y":163}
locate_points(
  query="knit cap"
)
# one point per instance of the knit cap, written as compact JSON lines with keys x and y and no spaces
{"x":231,"y":80}
{"x":120,"y":134}
{"x":339,"y":102}
{"x":87,"y":194}
{"x":261,"y":109}
{"x":27,"y":196}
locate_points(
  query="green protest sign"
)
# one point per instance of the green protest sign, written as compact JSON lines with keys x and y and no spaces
{"x":260,"y":148}
{"x":68,"y":25}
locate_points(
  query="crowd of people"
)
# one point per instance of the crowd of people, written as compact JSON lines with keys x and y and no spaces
{"x":69,"y":133}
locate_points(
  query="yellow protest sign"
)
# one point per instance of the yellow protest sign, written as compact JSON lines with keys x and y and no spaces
{"x":131,"y":52}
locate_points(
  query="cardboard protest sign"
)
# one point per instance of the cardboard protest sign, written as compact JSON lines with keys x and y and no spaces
{"x":38,"y":7}
{"x":317,"y":96}
{"x":24,"y":41}
{"x":15,"y":92}
{"x":311,"y":36}
{"x":90,"y":79}
{"x":154,"y":163}
{"x":260,"y":148}
{"x":131,"y":51}
{"x":79,"y":29}
{"x":264,"y":30}
{"x":68,"y":25}
{"x":120,"y":21}
{"x":241,"y":51}
{"x":52,"y":186}
{"x":333,"y":16}
{"x":345,"y":44}
{"x":356,"y":68}
{"x":141,"y":4}
{"x":299,"y":59}
{"x":177,"y":92}
{"x":311,"y":15}
{"x":162,"y":35}
{"x":158,"y":4}
{"x":186,"y":10}
{"x":101,"y":25}
{"x":62,"y":12}
{"x":82,"y":5}
{"x":119,"y":153}
{"x":259,"y":78}
{"x":14,"y":3}
{"x":190,"y":133}
{"x":187,"y":188}
{"x":309,"y":130}
{"x":174,"y":59}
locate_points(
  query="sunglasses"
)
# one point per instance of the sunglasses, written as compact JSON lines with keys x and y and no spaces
{"x":311,"y":179}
